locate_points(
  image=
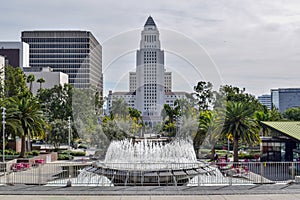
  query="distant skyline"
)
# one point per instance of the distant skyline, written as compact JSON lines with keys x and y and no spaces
{"x":254,"y":44}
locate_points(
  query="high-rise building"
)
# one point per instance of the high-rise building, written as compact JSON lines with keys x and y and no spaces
{"x":76,"y":53}
{"x":150,"y":86}
{"x":265,"y":100}
{"x":16,"y":53}
{"x":284,"y":98}
{"x":150,"y":71}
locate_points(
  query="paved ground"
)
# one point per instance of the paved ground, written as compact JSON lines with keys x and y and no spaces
{"x":255,"y":192}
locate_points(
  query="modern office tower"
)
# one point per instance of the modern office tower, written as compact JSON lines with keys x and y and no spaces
{"x":76,"y":53}
{"x":16,"y":53}
{"x":284,"y":98}
{"x":265,"y":100}
{"x":150,"y":86}
{"x":50,"y":77}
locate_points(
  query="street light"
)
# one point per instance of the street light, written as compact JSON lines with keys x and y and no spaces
{"x":69,"y":135}
{"x":3,"y":134}
{"x":69,"y":183}
{"x":3,"y":141}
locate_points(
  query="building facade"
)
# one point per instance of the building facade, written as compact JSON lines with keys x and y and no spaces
{"x":50,"y":77}
{"x":265,"y":100}
{"x":150,"y":86}
{"x":284,"y":98}
{"x":76,"y":53}
{"x":16,"y":53}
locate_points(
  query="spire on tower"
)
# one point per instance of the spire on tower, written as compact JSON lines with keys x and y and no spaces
{"x":150,"y":22}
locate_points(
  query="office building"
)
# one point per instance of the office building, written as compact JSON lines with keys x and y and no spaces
{"x":284,"y":98}
{"x":265,"y":100}
{"x":76,"y":53}
{"x":16,"y":53}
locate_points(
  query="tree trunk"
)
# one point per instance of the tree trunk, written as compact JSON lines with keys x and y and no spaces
{"x":23,"y":147}
{"x":235,"y":149}
{"x":213,"y":151}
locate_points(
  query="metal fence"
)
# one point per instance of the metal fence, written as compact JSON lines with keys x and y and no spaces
{"x":142,"y":174}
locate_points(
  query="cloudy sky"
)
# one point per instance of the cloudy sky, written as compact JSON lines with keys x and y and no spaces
{"x":252,"y":44}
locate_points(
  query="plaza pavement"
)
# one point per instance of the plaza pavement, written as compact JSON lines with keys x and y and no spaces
{"x":235,"y":192}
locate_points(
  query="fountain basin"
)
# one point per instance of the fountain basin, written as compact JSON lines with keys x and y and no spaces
{"x":120,"y":176}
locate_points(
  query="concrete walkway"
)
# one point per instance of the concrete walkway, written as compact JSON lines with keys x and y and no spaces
{"x":189,"y":197}
{"x":255,"y":192}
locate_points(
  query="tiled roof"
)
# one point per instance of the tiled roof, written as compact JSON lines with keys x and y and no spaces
{"x":291,"y":129}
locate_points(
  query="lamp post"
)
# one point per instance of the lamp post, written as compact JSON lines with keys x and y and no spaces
{"x":69,"y":183}
{"x":3,"y":141}
{"x":69,"y":136}
{"x":3,"y":134}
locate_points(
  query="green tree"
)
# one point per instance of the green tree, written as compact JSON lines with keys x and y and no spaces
{"x":31,"y":119}
{"x":12,"y":125}
{"x":204,"y":94}
{"x":41,"y":81}
{"x":57,"y":102}
{"x":59,"y":132}
{"x":30,"y":79}
{"x":170,"y":114}
{"x":292,"y":114}
{"x":113,"y":129}
{"x":15,"y":82}
{"x":240,"y":125}
{"x":119,"y":107}
{"x":209,"y":130}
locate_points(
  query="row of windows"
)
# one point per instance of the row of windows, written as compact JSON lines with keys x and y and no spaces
{"x":58,"y":56}
{"x":60,"y":61}
{"x":78,"y":76}
{"x":151,"y":61}
{"x":151,"y":98}
{"x":150,"y":38}
{"x":62,"y":66}
{"x":150,"y":53}
{"x":52,"y":40}
{"x":53,"y":46}
{"x":75,"y":71}
{"x":43,"y":51}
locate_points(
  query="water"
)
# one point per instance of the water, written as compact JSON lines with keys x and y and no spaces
{"x":147,"y":151}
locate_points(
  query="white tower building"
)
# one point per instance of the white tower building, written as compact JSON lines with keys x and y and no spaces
{"x":150,"y":71}
{"x":150,"y":86}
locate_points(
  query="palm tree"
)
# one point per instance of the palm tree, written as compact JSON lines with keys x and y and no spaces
{"x":30,"y":79}
{"x":240,"y":125}
{"x":30,"y":117}
{"x":209,"y":129}
{"x":41,"y":81}
{"x":12,"y":125}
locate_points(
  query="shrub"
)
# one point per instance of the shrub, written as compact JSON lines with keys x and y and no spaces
{"x":63,"y":157}
{"x":77,"y":153}
{"x":35,"y":152}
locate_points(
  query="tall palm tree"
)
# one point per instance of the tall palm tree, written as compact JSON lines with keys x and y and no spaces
{"x":240,"y":125}
{"x":30,"y":79}
{"x":41,"y":81}
{"x":12,"y":125}
{"x":209,"y":129}
{"x":30,"y":117}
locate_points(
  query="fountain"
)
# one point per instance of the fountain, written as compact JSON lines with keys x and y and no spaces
{"x":149,"y":162}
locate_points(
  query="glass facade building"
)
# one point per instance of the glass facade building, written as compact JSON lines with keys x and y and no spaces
{"x":76,"y":53}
